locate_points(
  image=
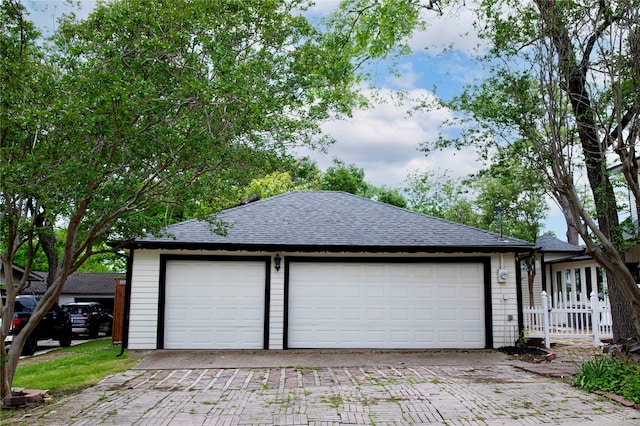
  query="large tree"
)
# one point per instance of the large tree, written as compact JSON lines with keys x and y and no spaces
{"x":504,"y":197}
{"x":146,"y":105}
{"x":564,"y":78}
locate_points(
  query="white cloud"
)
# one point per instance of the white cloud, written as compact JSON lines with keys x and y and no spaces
{"x":384,"y":141}
{"x":453,"y":29}
{"x":45,"y":13}
{"x":406,"y":77}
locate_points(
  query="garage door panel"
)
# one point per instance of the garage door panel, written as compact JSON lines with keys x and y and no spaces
{"x":398,"y":271}
{"x":447,"y":293}
{"x":447,"y":272}
{"x":375,"y":291}
{"x":422,"y":291}
{"x":472,"y":337}
{"x":349,"y":290}
{"x":373,"y":271}
{"x":400,"y":336}
{"x":448,"y":336}
{"x":398,"y":314}
{"x":211,"y":304}
{"x":447,"y":315}
{"x":423,"y":271}
{"x":402,"y":306}
{"x":471,"y":315}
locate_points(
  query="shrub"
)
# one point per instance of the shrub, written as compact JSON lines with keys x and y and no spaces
{"x":607,"y":374}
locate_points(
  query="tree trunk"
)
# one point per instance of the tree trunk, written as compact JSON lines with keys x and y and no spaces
{"x":572,"y":236}
{"x":625,"y":325}
{"x":48,"y":241}
{"x":572,"y":80}
{"x":530,"y":262}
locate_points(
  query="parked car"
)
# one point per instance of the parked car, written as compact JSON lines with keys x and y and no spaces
{"x":55,"y":325}
{"x":89,"y":318}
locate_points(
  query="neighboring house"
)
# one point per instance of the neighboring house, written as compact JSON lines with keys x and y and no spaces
{"x":82,"y":287}
{"x":629,"y":216}
{"x":323,"y":269}
{"x":565,"y":271}
{"x":18,"y":274}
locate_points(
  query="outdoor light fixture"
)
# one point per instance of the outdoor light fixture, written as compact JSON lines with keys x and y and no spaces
{"x":277,"y":260}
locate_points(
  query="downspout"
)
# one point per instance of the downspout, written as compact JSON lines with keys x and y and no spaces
{"x":127,"y":304}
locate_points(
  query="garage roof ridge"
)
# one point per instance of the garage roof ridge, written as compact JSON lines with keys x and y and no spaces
{"x":329,"y":219}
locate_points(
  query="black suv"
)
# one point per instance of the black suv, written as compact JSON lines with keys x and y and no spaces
{"x":89,"y":318}
{"x":55,"y":324}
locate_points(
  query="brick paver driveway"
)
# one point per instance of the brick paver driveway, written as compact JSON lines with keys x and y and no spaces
{"x":402,"y":394}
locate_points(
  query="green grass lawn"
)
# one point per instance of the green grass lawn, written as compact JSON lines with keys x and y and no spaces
{"x":70,"y":369}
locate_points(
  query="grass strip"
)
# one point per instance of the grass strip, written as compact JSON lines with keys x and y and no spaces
{"x":73,"y":368}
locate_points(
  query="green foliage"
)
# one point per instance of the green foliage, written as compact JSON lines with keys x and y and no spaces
{"x":389,"y":196}
{"x":607,"y":374}
{"x":290,"y":175}
{"x":506,"y":187}
{"x":523,"y":340}
{"x":439,"y":195}
{"x":342,"y":177}
{"x":273,"y":184}
{"x":105,"y":262}
{"x":301,"y":175}
{"x":374,"y":29}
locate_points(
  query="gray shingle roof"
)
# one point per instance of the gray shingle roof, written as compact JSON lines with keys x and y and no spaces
{"x":89,"y":283}
{"x":330,"y":220}
{"x":548,"y":244}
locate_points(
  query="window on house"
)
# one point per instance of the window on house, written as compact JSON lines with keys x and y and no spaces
{"x":600,"y":278}
{"x":588,"y":281}
{"x":567,"y":283}
{"x":578,"y":282}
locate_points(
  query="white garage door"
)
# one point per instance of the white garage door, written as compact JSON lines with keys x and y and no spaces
{"x":386,"y":305}
{"x":214,"y":304}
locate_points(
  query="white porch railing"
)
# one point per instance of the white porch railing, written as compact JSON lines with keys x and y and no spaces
{"x":563,"y":320}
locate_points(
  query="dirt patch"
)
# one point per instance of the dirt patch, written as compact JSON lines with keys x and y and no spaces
{"x":526,"y":353}
{"x":39,"y":359}
{"x":574,"y":351}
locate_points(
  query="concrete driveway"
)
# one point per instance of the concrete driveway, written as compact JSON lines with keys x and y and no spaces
{"x":332,"y":388}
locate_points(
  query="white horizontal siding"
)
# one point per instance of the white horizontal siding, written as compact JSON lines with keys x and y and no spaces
{"x":143,"y":314}
{"x":504,"y":301}
{"x":276,"y":314}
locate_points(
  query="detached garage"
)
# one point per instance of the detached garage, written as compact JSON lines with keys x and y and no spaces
{"x":323,"y":269}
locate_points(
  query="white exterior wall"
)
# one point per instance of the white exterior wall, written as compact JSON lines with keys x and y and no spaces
{"x":143,"y":315}
{"x":504,"y":301}
{"x":276,"y":306}
{"x":146,"y":277}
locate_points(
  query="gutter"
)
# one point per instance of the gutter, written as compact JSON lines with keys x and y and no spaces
{"x":312,"y":248}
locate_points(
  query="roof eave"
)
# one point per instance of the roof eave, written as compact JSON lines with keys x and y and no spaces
{"x":156,"y":245}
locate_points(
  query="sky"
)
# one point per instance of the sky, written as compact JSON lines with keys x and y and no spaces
{"x":384,"y":140}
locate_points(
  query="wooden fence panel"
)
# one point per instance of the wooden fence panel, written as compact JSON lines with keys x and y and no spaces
{"x":118,"y":309}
